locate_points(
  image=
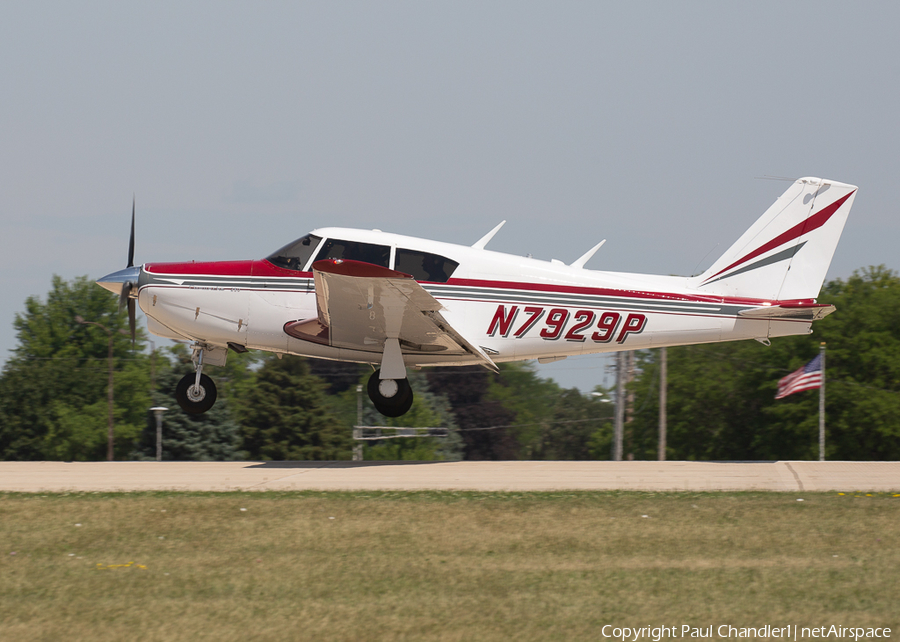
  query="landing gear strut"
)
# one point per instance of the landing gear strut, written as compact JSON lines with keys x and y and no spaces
{"x":391,"y":397}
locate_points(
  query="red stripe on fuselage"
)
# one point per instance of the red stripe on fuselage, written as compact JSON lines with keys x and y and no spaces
{"x":224,"y":268}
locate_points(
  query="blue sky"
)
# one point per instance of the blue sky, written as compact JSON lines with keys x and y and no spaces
{"x":240,"y":126}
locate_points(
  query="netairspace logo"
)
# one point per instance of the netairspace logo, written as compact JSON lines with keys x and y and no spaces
{"x":724,"y":631}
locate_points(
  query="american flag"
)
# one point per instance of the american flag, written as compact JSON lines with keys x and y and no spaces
{"x":805,"y":378}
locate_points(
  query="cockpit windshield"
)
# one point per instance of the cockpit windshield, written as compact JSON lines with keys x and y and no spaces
{"x":295,"y":256}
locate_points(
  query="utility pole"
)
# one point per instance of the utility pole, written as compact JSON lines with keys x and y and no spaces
{"x":152,"y":368}
{"x":629,"y":409}
{"x":620,"y":406}
{"x":663,"y":375}
{"x":109,"y":387}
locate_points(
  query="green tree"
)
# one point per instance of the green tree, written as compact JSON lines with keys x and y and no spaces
{"x":721,"y":397}
{"x":285,"y":417}
{"x":518,"y":415}
{"x":53,"y":390}
{"x":716,"y":394}
{"x":211,"y":436}
{"x":466,"y":389}
{"x":862,"y":367}
{"x":554,"y":423}
{"x":579,"y":428}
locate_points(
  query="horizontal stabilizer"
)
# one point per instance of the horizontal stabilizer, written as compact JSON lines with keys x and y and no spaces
{"x":801,"y":311}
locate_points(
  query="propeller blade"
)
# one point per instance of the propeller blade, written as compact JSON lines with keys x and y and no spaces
{"x":131,"y":319}
{"x":125,"y":294}
{"x":131,"y":240}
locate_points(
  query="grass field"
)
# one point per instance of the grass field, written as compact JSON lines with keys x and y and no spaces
{"x":440,"y":566}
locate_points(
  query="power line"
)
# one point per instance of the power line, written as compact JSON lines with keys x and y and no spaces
{"x":538,"y":423}
{"x":76,"y":359}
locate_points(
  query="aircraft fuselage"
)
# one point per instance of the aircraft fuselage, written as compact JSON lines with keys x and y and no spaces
{"x":514,"y":307}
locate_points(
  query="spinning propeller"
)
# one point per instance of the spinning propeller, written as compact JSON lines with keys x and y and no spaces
{"x":125,"y":282}
{"x":125,"y":297}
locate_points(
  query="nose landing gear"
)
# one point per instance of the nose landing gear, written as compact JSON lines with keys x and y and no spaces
{"x":195,"y":398}
{"x":196,"y":393}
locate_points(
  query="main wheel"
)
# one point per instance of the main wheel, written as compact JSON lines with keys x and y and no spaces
{"x":195,"y":400}
{"x":391,"y":397}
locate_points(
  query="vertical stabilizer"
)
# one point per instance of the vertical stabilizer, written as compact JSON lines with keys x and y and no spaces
{"x":786,"y":253}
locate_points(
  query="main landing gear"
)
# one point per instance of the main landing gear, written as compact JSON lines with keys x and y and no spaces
{"x":196,"y":393}
{"x":388,"y":387}
{"x":391,"y":397}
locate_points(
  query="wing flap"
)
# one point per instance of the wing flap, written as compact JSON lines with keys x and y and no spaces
{"x":361,"y":305}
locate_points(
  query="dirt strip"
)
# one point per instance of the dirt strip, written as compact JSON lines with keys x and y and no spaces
{"x":465,"y":475}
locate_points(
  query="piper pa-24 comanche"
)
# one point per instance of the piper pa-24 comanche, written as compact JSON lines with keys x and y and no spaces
{"x":398,"y":302}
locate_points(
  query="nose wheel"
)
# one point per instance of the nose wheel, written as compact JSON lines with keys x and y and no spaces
{"x":195,"y":397}
{"x":391,"y":397}
{"x":196,"y":393}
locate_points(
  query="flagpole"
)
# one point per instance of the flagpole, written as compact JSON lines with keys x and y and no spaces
{"x":822,"y":406}
{"x":663,"y":391}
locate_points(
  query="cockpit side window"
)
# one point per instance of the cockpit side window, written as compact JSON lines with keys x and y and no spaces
{"x":355,"y":251}
{"x":424,"y":266}
{"x":294,"y":256}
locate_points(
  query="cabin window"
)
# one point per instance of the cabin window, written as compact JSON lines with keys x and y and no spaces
{"x":424,"y":266}
{"x":354,"y":251}
{"x":295,"y":256}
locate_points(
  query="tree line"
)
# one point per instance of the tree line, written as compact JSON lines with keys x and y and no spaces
{"x":721,"y":397}
{"x":721,"y":406}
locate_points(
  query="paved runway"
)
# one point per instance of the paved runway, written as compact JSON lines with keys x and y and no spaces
{"x":466,"y":475}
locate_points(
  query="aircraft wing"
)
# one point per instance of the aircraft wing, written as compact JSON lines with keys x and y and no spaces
{"x":802,"y":311}
{"x":362,"y":306}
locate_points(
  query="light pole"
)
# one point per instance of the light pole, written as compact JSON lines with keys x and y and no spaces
{"x":109,"y":388}
{"x":158,"y":412}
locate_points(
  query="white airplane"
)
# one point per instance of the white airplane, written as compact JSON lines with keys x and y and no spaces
{"x":398,"y":302}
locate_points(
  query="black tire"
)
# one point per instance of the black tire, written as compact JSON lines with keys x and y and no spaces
{"x":397,"y":410}
{"x":195,"y":404}
{"x":395,"y":406}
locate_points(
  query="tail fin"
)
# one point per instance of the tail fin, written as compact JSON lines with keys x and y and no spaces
{"x":786,"y":253}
